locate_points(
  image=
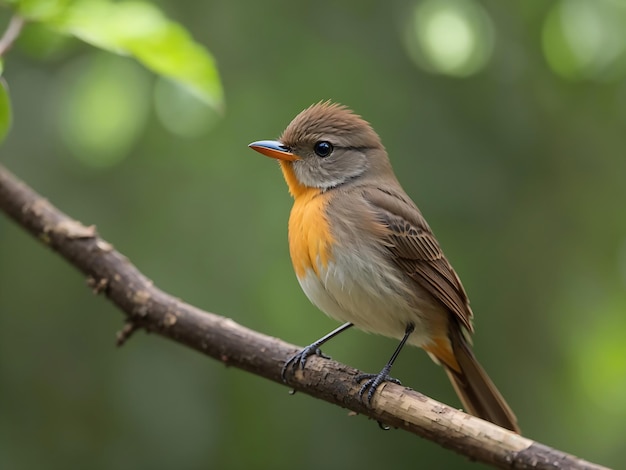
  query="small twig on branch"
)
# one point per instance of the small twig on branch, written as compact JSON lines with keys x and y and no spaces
{"x":11,"y":34}
{"x":125,"y":333}
{"x":221,"y":338}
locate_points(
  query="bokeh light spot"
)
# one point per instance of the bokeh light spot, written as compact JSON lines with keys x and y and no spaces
{"x":586,"y":40}
{"x":601,"y":358}
{"x":102,"y":107}
{"x":181,"y":111}
{"x":451,"y":37}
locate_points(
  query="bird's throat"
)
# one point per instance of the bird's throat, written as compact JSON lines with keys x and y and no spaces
{"x":310,"y":238}
{"x":296,"y":189}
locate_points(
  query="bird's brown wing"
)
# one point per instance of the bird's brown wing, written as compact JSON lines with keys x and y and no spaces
{"x":416,"y":251}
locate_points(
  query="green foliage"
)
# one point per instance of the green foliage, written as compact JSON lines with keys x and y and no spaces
{"x":138,"y":29}
{"x":102,"y":105}
{"x":43,"y":11}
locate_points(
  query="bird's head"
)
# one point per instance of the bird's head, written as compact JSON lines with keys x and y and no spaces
{"x":326,"y":146}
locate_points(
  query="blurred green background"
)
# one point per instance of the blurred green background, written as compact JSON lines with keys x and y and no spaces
{"x":504,"y":121}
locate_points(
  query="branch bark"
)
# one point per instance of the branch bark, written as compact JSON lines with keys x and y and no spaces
{"x":148,"y":307}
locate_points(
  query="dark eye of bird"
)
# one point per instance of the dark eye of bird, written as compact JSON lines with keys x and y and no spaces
{"x":323,"y":148}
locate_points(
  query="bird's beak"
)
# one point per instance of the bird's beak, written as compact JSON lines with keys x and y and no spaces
{"x":274,"y":149}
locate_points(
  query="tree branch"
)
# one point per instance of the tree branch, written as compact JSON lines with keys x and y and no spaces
{"x":146,"y":306}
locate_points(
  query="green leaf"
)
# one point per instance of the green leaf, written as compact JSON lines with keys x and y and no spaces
{"x":137,"y":29}
{"x":41,"y":10}
{"x":5,"y":110}
{"x":180,"y":112}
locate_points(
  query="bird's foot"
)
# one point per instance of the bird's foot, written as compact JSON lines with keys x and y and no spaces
{"x":298,"y":360}
{"x":373,"y":381}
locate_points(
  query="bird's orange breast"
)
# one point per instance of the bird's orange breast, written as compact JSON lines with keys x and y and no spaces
{"x":310,"y":237}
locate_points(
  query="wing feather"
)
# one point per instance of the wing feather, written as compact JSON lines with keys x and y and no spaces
{"x":416,"y":251}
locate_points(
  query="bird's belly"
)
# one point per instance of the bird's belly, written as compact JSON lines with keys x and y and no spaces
{"x":373,"y":297}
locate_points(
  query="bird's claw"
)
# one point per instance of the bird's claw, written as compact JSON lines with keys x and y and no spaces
{"x":298,"y":360}
{"x":373,"y":381}
{"x":383,"y":426}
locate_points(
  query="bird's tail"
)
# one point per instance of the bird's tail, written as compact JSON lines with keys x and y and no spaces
{"x":477,"y":392}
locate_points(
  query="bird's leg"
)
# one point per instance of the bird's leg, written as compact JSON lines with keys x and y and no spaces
{"x":374,"y":380}
{"x":298,"y":360}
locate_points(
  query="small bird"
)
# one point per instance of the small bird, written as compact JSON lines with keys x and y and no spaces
{"x":364,"y":254}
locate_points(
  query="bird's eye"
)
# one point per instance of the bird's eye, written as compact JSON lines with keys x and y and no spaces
{"x":323,"y":148}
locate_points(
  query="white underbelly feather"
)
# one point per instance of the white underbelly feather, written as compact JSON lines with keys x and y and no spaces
{"x":366,"y":297}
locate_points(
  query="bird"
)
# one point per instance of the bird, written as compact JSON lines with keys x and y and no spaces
{"x":364,"y":254}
